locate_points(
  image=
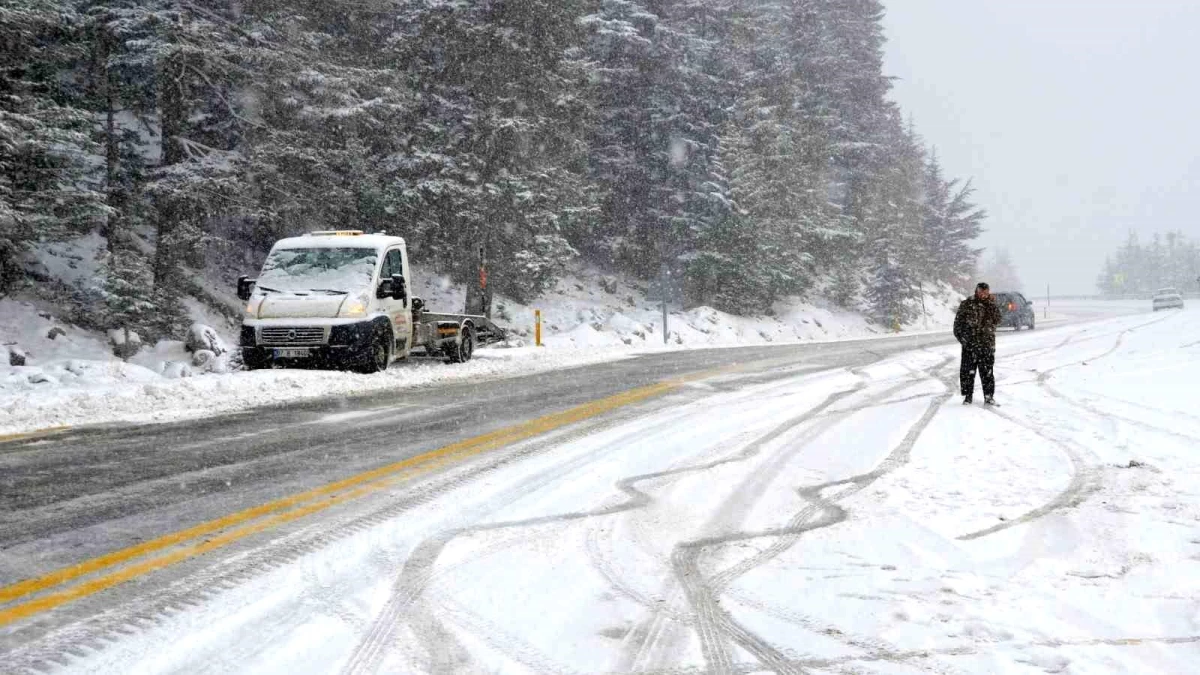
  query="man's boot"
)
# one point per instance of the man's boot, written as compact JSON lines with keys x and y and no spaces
{"x":968,"y":399}
{"x":991,"y":400}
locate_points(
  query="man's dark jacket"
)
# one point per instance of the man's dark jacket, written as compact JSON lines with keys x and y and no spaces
{"x":976,"y":322}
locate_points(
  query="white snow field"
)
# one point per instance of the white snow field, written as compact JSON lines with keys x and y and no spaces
{"x":842,"y":521}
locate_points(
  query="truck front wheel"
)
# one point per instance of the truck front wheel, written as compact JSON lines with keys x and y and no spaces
{"x":378,"y":355}
{"x":463,"y":349}
{"x":252,"y":359}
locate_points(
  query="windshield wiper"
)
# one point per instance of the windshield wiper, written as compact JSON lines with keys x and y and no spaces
{"x":267,"y":289}
{"x":330,"y":291}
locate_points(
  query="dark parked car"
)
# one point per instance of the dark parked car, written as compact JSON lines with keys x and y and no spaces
{"x":1015,"y":310}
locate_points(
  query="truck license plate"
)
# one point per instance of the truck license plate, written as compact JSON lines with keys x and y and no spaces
{"x":292,"y":353}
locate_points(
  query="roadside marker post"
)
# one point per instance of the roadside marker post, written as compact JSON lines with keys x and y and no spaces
{"x":537,"y":327}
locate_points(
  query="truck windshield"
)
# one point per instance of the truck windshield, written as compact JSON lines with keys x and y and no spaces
{"x":318,"y":269}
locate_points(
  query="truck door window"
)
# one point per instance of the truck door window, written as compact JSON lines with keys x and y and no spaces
{"x":392,"y":264}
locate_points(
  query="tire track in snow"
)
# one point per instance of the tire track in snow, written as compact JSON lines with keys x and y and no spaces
{"x":736,"y":505}
{"x":418,"y":570}
{"x":405,"y":604}
{"x":1108,"y":415}
{"x":411,"y":585}
{"x":1044,"y":382}
{"x":1045,"y":375}
{"x":654,"y":628}
{"x":715,"y":622}
{"x":139,"y":613}
{"x":1085,"y":477}
{"x":903,"y":656}
{"x":1133,"y":404}
{"x":647,"y":634}
{"x":1085,"y":481}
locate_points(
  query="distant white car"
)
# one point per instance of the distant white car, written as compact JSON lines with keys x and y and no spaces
{"x":1167,"y":298}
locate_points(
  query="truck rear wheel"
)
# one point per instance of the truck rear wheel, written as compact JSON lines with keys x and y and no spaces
{"x":463,"y":349}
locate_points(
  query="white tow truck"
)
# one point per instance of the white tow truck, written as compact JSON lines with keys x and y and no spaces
{"x":341,"y":299}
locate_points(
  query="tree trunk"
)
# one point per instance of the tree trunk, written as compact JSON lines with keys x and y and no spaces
{"x":171,"y":110}
{"x":113,"y":229}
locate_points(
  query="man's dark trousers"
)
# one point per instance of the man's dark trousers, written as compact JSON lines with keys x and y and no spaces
{"x":981,"y":358}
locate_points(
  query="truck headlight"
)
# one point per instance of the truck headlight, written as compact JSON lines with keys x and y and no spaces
{"x":355,"y":307}
{"x":252,"y":307}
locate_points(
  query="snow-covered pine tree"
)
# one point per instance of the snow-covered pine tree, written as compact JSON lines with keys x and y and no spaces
{"x":46,"y":188}
{"x":1170,"y":260}
{"x":1106,"y":282}
{"x":897,"y":248}
{"x":175,"y":69}
{"x":132,"y":301}
{"x":725,"y":269}
{"x":963,"y":224}
{"x":950,"y":223}
{"x":660,"y":89}
{"x":493,"y":158}
{"x":333,"y":118}
{"x":835,"y":52}
{"x":1000,"y":272}
{"x":744,"y":142}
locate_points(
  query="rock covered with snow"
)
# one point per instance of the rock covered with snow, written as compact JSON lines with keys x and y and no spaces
{"x":16,"y":357}
{"x":174,"y":370}
{"x":125,"y":343}
{"x":204,"y":338}
{"x":206,"y":361}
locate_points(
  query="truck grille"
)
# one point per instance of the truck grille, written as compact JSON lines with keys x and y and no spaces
{"x":292,"y":336}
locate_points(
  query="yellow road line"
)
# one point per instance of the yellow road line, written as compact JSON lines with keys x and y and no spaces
{"x":32,"y":434}
{"x":288,"y":509}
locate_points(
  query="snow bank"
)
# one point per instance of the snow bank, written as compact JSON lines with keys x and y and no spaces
{"x":159,"y":385}
{"x":74,"y":379}
{"x":587,"y":309}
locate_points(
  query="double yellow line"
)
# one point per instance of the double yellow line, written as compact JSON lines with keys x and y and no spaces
{"x":28,"y":598}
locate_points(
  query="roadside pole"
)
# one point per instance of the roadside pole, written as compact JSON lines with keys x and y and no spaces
{"x":666,"y":329}
{"x":924,"y":313}
{"x":537,"y":327}
{"x":663,"y":285}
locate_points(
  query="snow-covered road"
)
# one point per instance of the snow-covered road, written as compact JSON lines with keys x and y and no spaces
{"x":803,"y":519}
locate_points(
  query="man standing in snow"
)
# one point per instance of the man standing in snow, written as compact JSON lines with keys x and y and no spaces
{"x":975,"y":329}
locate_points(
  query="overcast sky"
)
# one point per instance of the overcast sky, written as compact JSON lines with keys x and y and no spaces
{"x":1077,"y":119}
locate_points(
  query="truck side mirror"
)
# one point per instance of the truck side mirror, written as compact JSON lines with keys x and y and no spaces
{"x":245,"y":287}
{"x":399,"y":289}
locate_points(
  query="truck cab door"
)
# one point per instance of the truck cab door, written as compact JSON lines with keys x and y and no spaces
{"x":398,"y":310}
